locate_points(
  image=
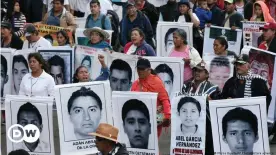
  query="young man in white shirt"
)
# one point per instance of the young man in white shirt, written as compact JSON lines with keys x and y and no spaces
{"x":33,"y":40}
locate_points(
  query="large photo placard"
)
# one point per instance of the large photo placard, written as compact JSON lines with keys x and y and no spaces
{"x":188,"y":125}
{"x":81,"y":107}
{"x":251,"y":32}
{"x":134,"y":114}
{"x":239,"y":126}
{"x":22,"y":110}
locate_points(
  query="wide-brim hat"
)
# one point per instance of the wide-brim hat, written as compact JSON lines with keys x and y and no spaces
{"x":106,"y":131}
{"x":87,"y":32}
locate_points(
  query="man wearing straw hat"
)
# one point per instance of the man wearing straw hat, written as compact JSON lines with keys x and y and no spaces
{"x":97,"y":38}
{"x":106,"y":140}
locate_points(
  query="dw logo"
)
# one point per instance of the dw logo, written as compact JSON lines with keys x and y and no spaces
{"x":17,"y":133}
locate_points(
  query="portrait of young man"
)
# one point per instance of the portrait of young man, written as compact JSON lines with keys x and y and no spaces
{"x":85,"y":108}
{"x":240,"y":130}
{"x":29,"y":114}
{"x":120,"y":75}
{"x":57,"y":69}
{"x":20,"y":68}
{"x":165,"y":73}
{"x":4,"y":74}
{"x":136,"y":123}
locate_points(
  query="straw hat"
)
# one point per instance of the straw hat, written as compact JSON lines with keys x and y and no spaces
{"x":87,"y":32}
{"x":106,"y":131}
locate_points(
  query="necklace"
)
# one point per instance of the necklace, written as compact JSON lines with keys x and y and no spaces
{"x":32,"y":84}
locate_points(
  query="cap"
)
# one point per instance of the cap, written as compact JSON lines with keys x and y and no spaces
{"x":185,"y":2}
{"x":29,"y":29}
{"x":242,"y":59}
{"x":6,"y":25}
{"x":229,"y":1}
{"x":143,"y":63}
{"x":201,"y":66}
{"x":129,"y":4}
{"x":270,"y":25}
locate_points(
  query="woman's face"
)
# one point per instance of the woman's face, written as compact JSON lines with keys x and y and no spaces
{"x":16,"y":7}
{"x":61,"y":39}
{"x":183,"y":9}
{"x":34,"y":65}
{"x":218,"y":47}
{"x":136,"y":38}
{"x":83,"y":75}
{"x":169,"y":43}
{"x":258,"y":11}
{"x":177,"y":40}
{"x":19,"y":71}
{"x":189,"y":114}
{"x":95,"y":37}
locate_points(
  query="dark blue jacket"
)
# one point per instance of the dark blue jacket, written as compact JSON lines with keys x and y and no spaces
{"x":143,"y":50}
{"x":204,"y":16}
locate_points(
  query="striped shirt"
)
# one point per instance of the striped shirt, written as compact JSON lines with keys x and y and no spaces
{"x":18,"y":22}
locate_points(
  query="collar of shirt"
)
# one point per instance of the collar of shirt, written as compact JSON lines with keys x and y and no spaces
{"x":42,"y":75}
{"x":99,"y":17}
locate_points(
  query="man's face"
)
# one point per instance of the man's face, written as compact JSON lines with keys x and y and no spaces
{"x":167,"y":81}
{"x":169,"y":45}
{"x":4,"y":79}
{"x":261,"y":69}
{"x":229,"y":7}
{"x":139,"y":2}
{"x":19,"y":71}
{"x":85,"y":115}
{"x":119,"y":80}
{"x":56,"y":72}
{"x":138,"y":128}
{"x":26,"y":117}
{"x":5,"y":32}
{"x":240,"y":137}
{"x":57,"y":6}
{"x":95,"y":9}
{"x":219,"y":75}
{"x":131,"y":10}
{"x":242,"y":69}
{"x":268,"y":34}
{"x":200,"y":75}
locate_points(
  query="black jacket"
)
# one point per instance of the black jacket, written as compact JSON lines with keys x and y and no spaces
{"x":272,"y":45}
{"x":119,"y":149}
{"x":169,"y":11}
{"x":235,"y":20}
{"x":16,"y":42}
{"x":217,"y":17}
{"x":32,"y":9}
{"x":153,"y":15}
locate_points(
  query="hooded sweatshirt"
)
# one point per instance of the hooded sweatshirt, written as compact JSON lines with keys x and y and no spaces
{"x":265,"y":10}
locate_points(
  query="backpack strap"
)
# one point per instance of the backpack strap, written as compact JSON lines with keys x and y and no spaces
{"x":103,"y":22}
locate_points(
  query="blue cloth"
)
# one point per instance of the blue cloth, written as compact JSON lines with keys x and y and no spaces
{"x":52,"y":19}
{"x":203,"y":16}
{"x":101,"y":44}
{"x":90,"y":22}
{"x":145,"y":50}
{"x":104,"y":75}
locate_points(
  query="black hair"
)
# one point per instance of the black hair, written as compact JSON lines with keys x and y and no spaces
{"x":28,"y":107}
{"x":20,"y":58}
{"x":19,"y":152}
{"x":141,"y":33}
{"x":182,"y":33}
{"x":49,"y":38}
{"x":40,"y":59}
{"x":170,"y":31}
{"x":241,"y":114}
{"x":185,"y":100}
{"x":75,"y":79}
{"x":83,"y":92}
{"x":88,"y":58}
{"x":164,"y":68}
{"x":61,"y":1}
{"x":57,"y":61}
{"x":222,"y":40}
{"x":95,"y":1}
{"x":121,"y":65}
{"x":4,"y":64}
{"x":65,"y":35}
{"x":134,"y":104}
{"x":221,"y":61}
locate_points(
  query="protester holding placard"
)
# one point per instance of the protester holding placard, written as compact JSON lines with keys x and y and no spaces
{"x":138,"y":45}
{"x":38,"y":82}
{"x":232,"y":19}
{"x":185,"y":13}
{"x":267,"y":41}
{"x":261,"y":12}
{"x":220,"y":47}
{"x":63,"y":38}
{"x":97,"y":38}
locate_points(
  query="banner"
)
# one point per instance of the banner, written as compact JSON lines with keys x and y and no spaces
{"x":233,"y":38}
{"x":81,"y":107}
{"x":134,"y":115}
{"x":60,"y":61}
{"x":188,"y":125}
{"x":29,"y":124}
{"x":239,"y":126}
{"x":164,"y":36}
{"x":252,"y":33}
{"x":81,"y":39}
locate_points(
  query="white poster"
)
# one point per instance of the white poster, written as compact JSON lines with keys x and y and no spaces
{"x":81,"y":107}
{"x":22,"y":111}
{"x":239,"y":126}
{"x":81,"y":39}
{"x":220,"y":69}
{"x":164,"y":36}
{"x":233,"y":38}
{"x":251,"y":32}
{"x":60,"y":61}
{"x":188,"y":125}
{"x":88,"y":57}
{"x":134,"y":115}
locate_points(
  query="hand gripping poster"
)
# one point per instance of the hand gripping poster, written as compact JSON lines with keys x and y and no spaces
{"x":134,"y":114}
{"x":239,"y":126}
{"x":164,"y":36}
{"x":81,"y":107}
{"x":29,"y":124}
{"x":252,"y":33}
{"x":60,"y":61}
{"x":188,"y":125}
{"x":233,"y":37}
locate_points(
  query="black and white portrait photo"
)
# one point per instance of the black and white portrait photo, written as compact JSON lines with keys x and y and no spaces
{"x":81,"y":108}
{"x":6,"y":58}
{"x":239,"y":126}
{"x":60,"y":63}
{"x":188,"y":123}
{"x":165,"y":39}
{"x":36,"y":111}
{"x":135,"y":116}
